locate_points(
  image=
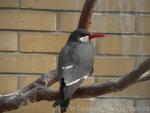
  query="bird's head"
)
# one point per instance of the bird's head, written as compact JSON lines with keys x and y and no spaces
{"x":82,"y":35}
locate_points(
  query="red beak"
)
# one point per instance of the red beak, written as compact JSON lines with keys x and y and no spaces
{"x":95,"y":35}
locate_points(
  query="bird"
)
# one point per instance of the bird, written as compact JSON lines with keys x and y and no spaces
{"x":75,"y":62}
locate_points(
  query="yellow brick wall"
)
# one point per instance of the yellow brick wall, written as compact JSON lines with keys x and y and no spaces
{"x":32,"y":32}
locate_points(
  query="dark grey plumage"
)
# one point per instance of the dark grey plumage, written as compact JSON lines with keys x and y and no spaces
{"x":75,"y":61}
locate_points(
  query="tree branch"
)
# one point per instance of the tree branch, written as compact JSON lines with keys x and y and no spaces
{"x":87,"y":11}
{"x":46,"y":80}
{"x":39,"y":90}
{"x":38,"y":93}
{"x":144,"y":77}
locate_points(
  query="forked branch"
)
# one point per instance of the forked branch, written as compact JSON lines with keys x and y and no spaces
{"x":39,"y":90}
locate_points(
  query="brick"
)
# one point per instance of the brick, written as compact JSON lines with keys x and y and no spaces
{"x":113,"y":65}
{"x":9,"y":3}
{"x":138,"y":5}
{"x":8,"y":41}
{"x":106,"y":105}
{"x":138,"y":90}
{"x":26,"y":80}
{"x":27,"y":20}
{"x":53,"y":4}
{"x":142,"y":106}
{"x":38,"y":107}
{"x":66,"y":18}
{"x":143,"y":24}
{"x":102,"y":5}
{"x":113,"y":23}
{"x":101,"y":23}
{"x":8,"y":84}
{"x":113,"y":5}
{"x":42,"y":42}
{"x":124,"y":5}
{"x":27,"y":63}
{"x":133,"y":5}
{"x":79,"y":106}
{"x":145,"y":6}
{"x":127,"y":45}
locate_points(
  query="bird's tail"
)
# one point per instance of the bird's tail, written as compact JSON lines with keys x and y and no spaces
{"x":64,"y":103}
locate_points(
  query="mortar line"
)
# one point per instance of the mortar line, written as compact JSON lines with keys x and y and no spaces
{"x":72,"y":11}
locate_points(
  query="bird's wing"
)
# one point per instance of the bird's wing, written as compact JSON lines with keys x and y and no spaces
{"x":75,"y":62}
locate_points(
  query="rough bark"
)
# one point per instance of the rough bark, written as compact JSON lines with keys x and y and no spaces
{"x":46,"y":80}
{"x":87,"y":11}
{"x":40,"y":92}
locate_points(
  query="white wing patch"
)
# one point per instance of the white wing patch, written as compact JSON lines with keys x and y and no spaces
{"x":68,"y":67}
{"x":68,"y":84}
